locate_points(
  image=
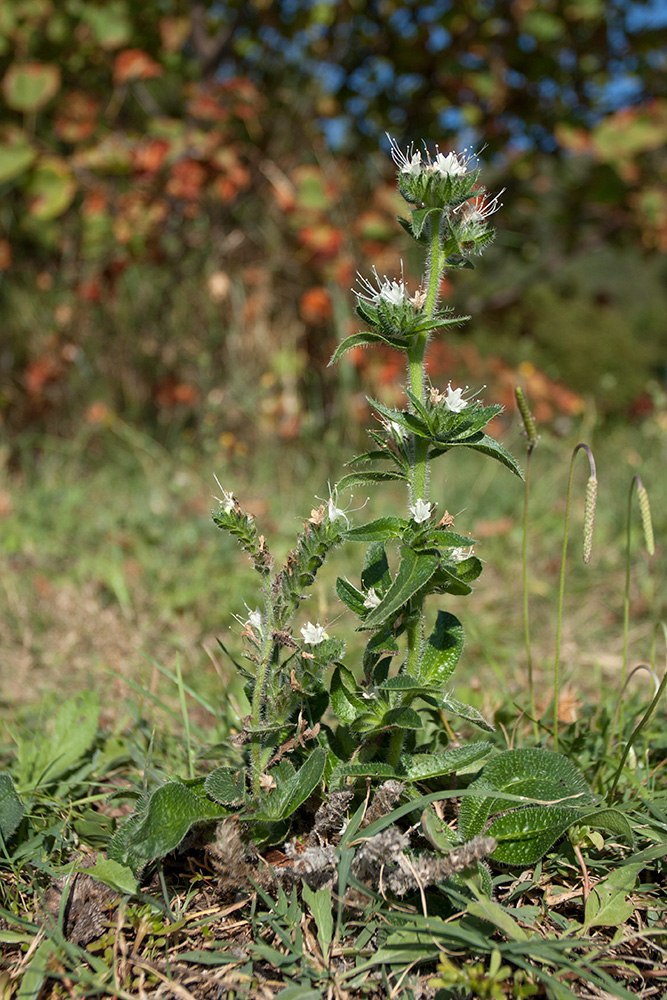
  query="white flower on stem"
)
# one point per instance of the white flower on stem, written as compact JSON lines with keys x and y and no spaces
{"x":372,"y":599}
{"x":449,"y":166}
{"x":420,"y":510}
{"x":461,"y":554}
{"x":334,"y":511}
{"x":397,"y":431}
{"x":253,"y":623}
{"x":454,"y":400}
{"x":407,"y":163}
{"x":394,"y":293}
{"x":228,"y":502}
{"x":313,"y":634}
{"x":478,"y":209}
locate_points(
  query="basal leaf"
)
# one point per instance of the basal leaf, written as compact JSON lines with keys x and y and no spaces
{"x":226,"y":785}
{"x":442,"y":650}
{"x":290,"y":794}
{"x":525,"y":835}
{"x":607,"y":904}
{"x":12,"y":809}
{"x":414,"y":572}
{"x":162,"y":824}
{"x":422,"y":766}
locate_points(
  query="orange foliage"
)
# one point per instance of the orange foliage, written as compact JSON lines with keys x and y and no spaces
{"x":315,"y":305}
{"x":135,"y":64}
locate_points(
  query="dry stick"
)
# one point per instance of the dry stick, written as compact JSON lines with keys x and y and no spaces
{"x":589,"y":518}
{"x":533,"y":438}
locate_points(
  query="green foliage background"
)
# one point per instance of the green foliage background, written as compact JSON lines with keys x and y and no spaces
{"x":177,"y":176}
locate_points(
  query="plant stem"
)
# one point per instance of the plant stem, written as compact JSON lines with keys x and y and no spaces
{"x":526,"y":616}
{"x":261,"y":676}
{"x":419,"y":472}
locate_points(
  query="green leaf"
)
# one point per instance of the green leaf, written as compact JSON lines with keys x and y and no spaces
{"x":494,"y":913}
{"x":363,"y":339}
{"x":351,"y":597}
{"x":74,"y":731}
{"x":607,"y":904}
{"x":488,"y":446}
{"x":380,"y":530}
{"x":116,"y":876}
{"x":414,"y":572}
{"x":226,"y":785}
{"x":344,"y":701}
{"x":610,"y":819}
{"x":419,"y":219}
{"x":160,"y":826}
{"x":291,"y":793}
{"x":525,"y":835}
{"x":12,"y":809}
{"x":423,"y":766}
{"x":402,"y":682}
{"x":402,"y":718}
{"x":321,"y":906}
{"x":376,"y":568}
{"x":368,"y":769}
{"x":27,"y":87}
{"x":369,"y":478}
{"x":466,"y":712}
{"x":412,"y":423}
{"x":442,"y":650}
{"x":109,"y":23}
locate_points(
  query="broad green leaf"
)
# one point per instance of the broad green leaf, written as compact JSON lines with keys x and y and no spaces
{"x":290,"y":794}
{"x":116,"y":876}
{"x":420,"y":217}
{"x":321,"y":906}
{"x":422,"y":766}
{"x":607,"y":904}
{"x":442,"y":650}
{"x":403,"y":718}
{"x":368,"y":769}
{"x":525,"y":835}
{"x":466,"y":712}
{"x":226,"y":785}
{"x":380,"y":530}
{"x":344,"y":700}
{"x":402,"y":682}
{"x":414,"y":572}
{"x":27,"y":87}
{"x":161,"y":825}
{"x":351,"y":597}
{"x":436,"y":831}
{"x":376,"y":568}
{"x":532,"y":773}
{"x":487,"y":446}
{"x":15,"y":159}
{"x":12,"y":809}
{"x":610,"y":819}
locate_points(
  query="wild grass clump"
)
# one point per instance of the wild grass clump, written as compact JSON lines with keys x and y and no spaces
{"x":353,"y":830}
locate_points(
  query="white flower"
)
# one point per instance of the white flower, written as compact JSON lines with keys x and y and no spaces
{"x":372,"y":599}
{"x":454,"y":400}
{"x":397,"y":431}
{"x":334,"y":511}
{"x":227,"y":501}
{"x":421,"y":511}
{"x":407,"y":163}
{"x":392,"y":292}
{"x":254,"y":620}
{"x":448,"y":166}
{"x":313,"y":634}
{"x":460,"y":555}
{"x":480,"y":208}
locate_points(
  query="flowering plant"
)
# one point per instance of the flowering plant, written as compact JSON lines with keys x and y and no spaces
{"x":317,"y":721}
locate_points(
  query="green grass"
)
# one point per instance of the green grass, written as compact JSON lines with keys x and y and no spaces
{"x":115,"y":586}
